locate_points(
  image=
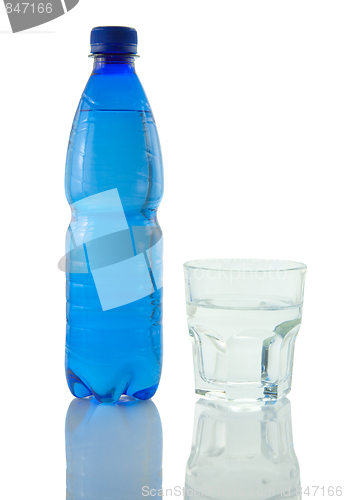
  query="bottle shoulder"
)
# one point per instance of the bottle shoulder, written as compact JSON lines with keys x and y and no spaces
{"x":114,"y":144}
{"x":114,"y":91}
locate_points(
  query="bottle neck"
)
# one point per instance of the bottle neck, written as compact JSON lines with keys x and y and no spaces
{"x":114,"y":63}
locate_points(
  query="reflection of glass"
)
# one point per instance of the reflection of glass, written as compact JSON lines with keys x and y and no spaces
{"x":243,"y":318}
{"x":112,"y":451}
{"x":242,"y":451}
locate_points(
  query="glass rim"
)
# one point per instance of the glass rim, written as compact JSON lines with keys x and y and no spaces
{"x":266,"y":265}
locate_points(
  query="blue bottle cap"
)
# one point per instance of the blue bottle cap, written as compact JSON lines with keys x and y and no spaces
{"x":113,"y":40}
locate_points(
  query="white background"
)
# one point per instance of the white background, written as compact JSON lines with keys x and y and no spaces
{"x":249,"y":102}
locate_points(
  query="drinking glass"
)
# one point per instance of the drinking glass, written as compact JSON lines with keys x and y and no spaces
{"x":243,"y":317}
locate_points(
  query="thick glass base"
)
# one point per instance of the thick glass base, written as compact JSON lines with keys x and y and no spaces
{"x":244,"y":392}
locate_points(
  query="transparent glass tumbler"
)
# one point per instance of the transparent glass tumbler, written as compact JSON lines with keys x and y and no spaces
{"x":243,"y":318}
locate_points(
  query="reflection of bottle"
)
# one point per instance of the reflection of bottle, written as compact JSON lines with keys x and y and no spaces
{"x":114,"y":184}
{"x":242,"y":451}
{"x":113,"y":451}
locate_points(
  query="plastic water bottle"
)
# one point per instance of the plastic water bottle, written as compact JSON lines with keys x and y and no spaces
{"x":114,"y":185}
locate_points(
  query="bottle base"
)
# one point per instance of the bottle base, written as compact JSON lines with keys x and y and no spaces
{"x":80,"y":390}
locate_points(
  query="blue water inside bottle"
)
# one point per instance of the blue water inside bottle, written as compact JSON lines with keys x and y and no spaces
{"x":114,"y":185}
